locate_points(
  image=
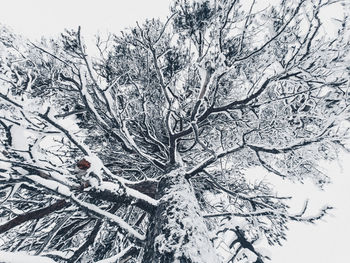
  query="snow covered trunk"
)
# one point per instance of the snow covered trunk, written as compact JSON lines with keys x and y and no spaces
{"x":177,"y":232}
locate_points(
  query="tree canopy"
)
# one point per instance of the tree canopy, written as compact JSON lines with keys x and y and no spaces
{"x":138,"y":152}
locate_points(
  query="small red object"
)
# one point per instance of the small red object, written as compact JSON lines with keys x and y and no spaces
{"x":83,"y":164}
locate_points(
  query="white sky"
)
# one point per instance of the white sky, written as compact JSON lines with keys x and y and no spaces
{"x":324,"y":243}
{"x":35,"y":18}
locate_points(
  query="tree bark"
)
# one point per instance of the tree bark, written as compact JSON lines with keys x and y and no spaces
{"x":177,"y":231}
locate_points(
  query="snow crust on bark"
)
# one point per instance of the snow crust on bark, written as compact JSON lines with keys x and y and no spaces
{"x":179,"y":234}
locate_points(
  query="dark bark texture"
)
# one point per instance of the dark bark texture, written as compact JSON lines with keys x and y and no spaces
{"x":177,"y":232}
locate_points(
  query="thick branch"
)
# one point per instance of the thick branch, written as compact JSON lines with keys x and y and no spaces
{"x":37,"y":214}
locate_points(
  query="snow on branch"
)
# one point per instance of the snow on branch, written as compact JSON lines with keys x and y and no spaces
{"x":143,"y":154}
{"x":269,"y":212}
{"x":97,"y":164}
{"x":116,"y":257}
{"x":22,"y":257}
{"x":110,"y":217}
{"x":198,"y":168}
{"x":93,"y":209}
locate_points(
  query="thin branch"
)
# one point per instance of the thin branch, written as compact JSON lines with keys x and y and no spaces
{"x":49,"y":53}
{"x":210,"y":161}
{"x":275,"y":36}
{"x":268,"y":212}
{"x":164,"y":27}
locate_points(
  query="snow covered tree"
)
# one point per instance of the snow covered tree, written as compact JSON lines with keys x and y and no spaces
{"x":139,"y":154}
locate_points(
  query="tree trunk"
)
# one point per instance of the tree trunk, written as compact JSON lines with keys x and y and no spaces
{"x":177,"y":231}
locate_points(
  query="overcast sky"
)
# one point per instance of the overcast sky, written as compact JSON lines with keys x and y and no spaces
{"x":324,"y":243}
